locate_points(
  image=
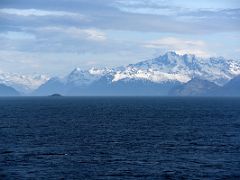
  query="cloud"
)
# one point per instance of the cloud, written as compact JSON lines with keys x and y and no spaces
{"x":173,"y":42}
{"x":95,"y":35}
{"x":140,"y":16}
{"x":89,"y":34}
{"x":113,"y":32}
{"x":61,"y":63}
{"x":177,"y":5}
{"x":181,"y":46}
{"x":37,"y":12}
{"x":147,"y":7}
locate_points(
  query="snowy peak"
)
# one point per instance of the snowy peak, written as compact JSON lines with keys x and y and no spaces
{"x":234,"y":67}
{"x":85,"y":77}
{"x":185,"y":67}
{"x":23,"y":83}
{"x":169,"y":58}
{"x":79,"y":77}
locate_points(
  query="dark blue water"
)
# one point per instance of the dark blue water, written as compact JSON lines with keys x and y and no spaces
{"x":119,"y":138}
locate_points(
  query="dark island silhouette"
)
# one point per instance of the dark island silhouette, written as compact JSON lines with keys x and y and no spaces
{"x":55,"y":95}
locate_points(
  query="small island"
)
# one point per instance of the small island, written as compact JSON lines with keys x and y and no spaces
{"x":56,"y":95}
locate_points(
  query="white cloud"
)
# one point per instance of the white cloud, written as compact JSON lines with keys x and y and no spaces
{"x":94,"y":34}
{"x":90,"y":34}
{"x":37,"y":12}
{"x":154,"y":11}
{"x":173,"y":42}
{"x":181,"y":46}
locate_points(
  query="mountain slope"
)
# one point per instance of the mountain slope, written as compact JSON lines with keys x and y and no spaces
{"x":139,"y":87}
{"x":8,"y":91}
{"x":195,"y":87}
{"x":232,"y":88}
{"x":52,"y":86}
{"x":105,"y":87}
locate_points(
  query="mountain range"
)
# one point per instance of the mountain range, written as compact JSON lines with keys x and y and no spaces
{"x":22,"y":83}
{"x":168,"y":75}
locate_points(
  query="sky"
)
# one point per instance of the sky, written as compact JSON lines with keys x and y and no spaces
{"x":55,"y":36}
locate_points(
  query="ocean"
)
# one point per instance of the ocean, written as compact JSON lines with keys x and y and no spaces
{"x":119,"y":138}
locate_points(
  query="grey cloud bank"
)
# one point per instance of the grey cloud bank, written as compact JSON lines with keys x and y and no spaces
{"x":94,"y":32}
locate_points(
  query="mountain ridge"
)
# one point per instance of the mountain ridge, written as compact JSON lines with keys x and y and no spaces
{"x":23,"y":83}
{"x":169,"y":68}
{"x":157,"y":76}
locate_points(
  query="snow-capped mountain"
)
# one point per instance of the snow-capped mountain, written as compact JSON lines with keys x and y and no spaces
{"x":169,"y":67}
{"x":162,"y":73}
{"x":23,"y":83}
{"x":182,"y":68}
{"x":79,"y":77}
{"x":156,"y":75}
